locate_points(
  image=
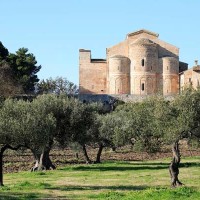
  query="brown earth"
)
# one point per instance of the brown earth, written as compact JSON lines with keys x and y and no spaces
{"x":23,"y":161}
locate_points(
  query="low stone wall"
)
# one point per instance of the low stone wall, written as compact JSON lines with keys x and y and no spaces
{"x":110,"y":98}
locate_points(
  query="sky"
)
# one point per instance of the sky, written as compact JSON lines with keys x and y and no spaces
{"x":55,"y":30}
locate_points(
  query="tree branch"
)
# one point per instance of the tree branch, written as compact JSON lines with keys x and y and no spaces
{"x":193,"y":134}
{"x":7,"y":146}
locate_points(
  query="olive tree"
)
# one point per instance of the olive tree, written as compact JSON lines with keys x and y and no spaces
{"x":107,"y":127}
{"x":60,"y":107}
{"x":82,"y":118}
{"x":141,"y":124}
{"x":23,"y":124}
{"x":183,"y":122}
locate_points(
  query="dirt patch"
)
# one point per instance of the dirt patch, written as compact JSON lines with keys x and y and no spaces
{"x":23,"y":161}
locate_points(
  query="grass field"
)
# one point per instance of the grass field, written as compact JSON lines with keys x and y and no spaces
{"x":110,"y":180}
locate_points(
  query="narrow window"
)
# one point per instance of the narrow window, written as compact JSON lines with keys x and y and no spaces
{"x":142,"y":86}
{"x":118,"y":68}
{"x":189,"y":80}
{"x":167,"y":68}
{"x":142,"y":62}
{"x":198,"y":83}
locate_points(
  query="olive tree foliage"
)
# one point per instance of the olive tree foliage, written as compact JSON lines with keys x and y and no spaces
{"x":85,"y":122}
{"x":155,"y":122}
{"x":137,"y":123}
{"x":186,"y":110}
{"x":111,"y":127}
{"x":24,"y":124}
{"x":107,"y":127}
{"x":142,"y":124}
{"x":61,"y":108}
{"x":82,"y":123}
{"x":183,"y":122}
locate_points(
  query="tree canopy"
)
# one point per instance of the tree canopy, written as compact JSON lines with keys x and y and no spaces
{"x":24,"y":124}
{"x":59,"y":85}
{"x":3,"y":52}
{"x":148,"y":125}
{"x":25,"y":69}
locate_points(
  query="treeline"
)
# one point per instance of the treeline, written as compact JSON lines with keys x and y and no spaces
{"x":56,"y":119}
{"x":18,"y":76}
{"x":18,"y":72}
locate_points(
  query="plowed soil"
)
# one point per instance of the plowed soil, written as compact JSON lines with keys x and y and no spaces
{"x":23,"y":161}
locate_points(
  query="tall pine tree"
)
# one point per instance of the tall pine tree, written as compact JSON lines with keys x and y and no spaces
{"x":25,"y":69}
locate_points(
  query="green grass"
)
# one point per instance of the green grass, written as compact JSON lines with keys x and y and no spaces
{"x":110,"y":180}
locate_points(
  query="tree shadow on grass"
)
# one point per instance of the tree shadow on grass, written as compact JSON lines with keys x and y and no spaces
{"x":129,"y":167}
{"x":119,"y":168}
{"x":17,"y":196}
{"x":119,"y":187}
{"x":29,"y":196}
{"x":190,"y":164}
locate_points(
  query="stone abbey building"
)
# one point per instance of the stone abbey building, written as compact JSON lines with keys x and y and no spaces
{"x":140,"y":65}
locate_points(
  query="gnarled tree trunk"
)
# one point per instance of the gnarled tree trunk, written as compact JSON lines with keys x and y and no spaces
{"x":88,"y":161}
{"x":42,"y":160}
{"x":5,"y":147}
{"x":45,"y":161}
{"x":174,"y":166}
{"x":37,"y":160}
{"x":98,"y":158}
{"x":1,"y":169}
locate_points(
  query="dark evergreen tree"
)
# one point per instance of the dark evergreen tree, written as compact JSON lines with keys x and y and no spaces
{"x":25,"y":69}
{"x":3,"y":52}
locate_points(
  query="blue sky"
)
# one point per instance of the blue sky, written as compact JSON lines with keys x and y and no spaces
{"x":55,"y":30}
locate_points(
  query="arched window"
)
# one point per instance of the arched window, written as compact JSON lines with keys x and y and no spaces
{"x":142,"y":86}
{"x":142,"y":62}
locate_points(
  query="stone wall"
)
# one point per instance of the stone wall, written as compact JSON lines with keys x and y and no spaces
{"x":111,"y":98}
{"x":92,"y":74}
{"x":170,"y":75}
{"x":119,"y":75}
{"x":166,"y":49}
{"x":190,"y":77}
{"x":119,"y":49}
{"x":153,"y":68}
{"x":144,"y":64}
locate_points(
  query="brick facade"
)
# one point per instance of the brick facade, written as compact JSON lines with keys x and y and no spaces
{"x":92,"y":74}
{"x":190,"y":77}
{"x":140,"y":65}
